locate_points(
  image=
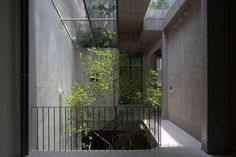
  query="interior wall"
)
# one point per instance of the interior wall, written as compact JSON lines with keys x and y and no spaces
{"x":186,"y":70}
{"x":52,"y":54}
{"x":9,"y":77}
{"x":51,"y":64}
{"x":149,"y":61}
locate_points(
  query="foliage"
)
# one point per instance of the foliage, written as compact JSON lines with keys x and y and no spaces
{"x":80,"y":94}
{"x":100,"y":64}
{"x":100,"y":29}
{"x":130,"y":82}
{"x":102,"y":8}
{"x":159,"y":4}
{"x":102,"y":69}
{"x":153,"y":93}
{"x":103,"y":38}
{"x":84,"y":39}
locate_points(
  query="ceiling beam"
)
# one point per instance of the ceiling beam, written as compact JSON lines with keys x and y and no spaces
{"x":152,"y":25}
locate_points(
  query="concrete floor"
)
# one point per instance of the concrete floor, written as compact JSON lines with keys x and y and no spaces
{"x":175,"y":143}
{"x":173,"y":136}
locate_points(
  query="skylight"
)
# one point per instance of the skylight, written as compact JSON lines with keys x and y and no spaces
{"x":89,"y":22}
{"x":157,"y":9}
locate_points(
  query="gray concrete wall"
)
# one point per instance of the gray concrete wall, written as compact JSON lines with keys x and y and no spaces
{"x":52,"y":65}
{"x":186,"y":70}
{"x":9,"y":78}
{"x":51,"y":53}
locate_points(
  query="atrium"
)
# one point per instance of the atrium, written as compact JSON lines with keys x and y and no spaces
{"x":117,"y":78}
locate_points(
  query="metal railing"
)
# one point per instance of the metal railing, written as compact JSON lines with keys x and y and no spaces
{"x":95,"y":128}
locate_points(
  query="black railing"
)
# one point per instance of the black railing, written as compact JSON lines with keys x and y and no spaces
{"x":95,"y":128}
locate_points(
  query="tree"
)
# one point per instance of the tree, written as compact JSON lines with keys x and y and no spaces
{"x":103,"y":70}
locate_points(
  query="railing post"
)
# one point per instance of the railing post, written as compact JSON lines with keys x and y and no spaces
{"x":65,"y":126}
{"x":37,"y":114}
{"x":71,"y":127}
{"x":54,"y":128}
{"x":154,"y":115}
{"x":76,"y":128}
{"x":43,"y":125}
{"x":59,"y":109}
{"x":48,"y":130}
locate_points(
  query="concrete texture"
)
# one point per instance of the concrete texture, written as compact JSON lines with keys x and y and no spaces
{"x":9,"y":79}
{"x":173,"y":136}
{"x":131,"y":15}
{"x":54,"y":53}
{"x":175,"y":7}
{"x":165,"y":84}
{"x":186,"y":70}
{"x":135,"y":35}
{"x":52,"y":65}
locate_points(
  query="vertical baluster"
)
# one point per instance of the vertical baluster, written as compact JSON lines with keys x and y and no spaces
{"x":71,"y":123}
{"x":159,"y":123}
{"x":144,"y":125}
{"x":82,"y":121}
{"x":48,"y":130}
{"x":59,"y":109}
{"x":104,"y":114}
{"x":76,"y":128}
{"x":65,"y":126}
{"x":93,"y":118}
{"x":37,"y":114}
{"x":43,"y":125}
{"x":158,"y":127}
{"x":110,"y":114}
{"x":138,"y":133}
{"x":149,"y":125}
{"x":154,"y":115}
{"x":54,"y":128}
{"x":121,"y":114}
{"x":99,"y":118}
{"x":111,"y":133}
{"x":87,"y":114}
{"x":133,"y":115}
{"x":99,"y":115}
{"x":126,"y":114}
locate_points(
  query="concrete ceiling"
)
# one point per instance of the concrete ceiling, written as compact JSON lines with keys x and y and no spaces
{"x":132,"y":37}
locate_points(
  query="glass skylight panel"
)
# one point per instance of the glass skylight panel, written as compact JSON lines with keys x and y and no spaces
{"x":105,"y":33}
{"x":71,"y":9}
{"x":157,"y":9}
{"x":101,"y":9}
{"x":80,"y":33}
{"x":89,"y":22}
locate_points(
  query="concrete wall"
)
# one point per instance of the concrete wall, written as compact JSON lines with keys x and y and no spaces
{"x":9,"y":76}
{"x":52,"y":64}
{"x":186,"y":70}
{"x":51,"y":54}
